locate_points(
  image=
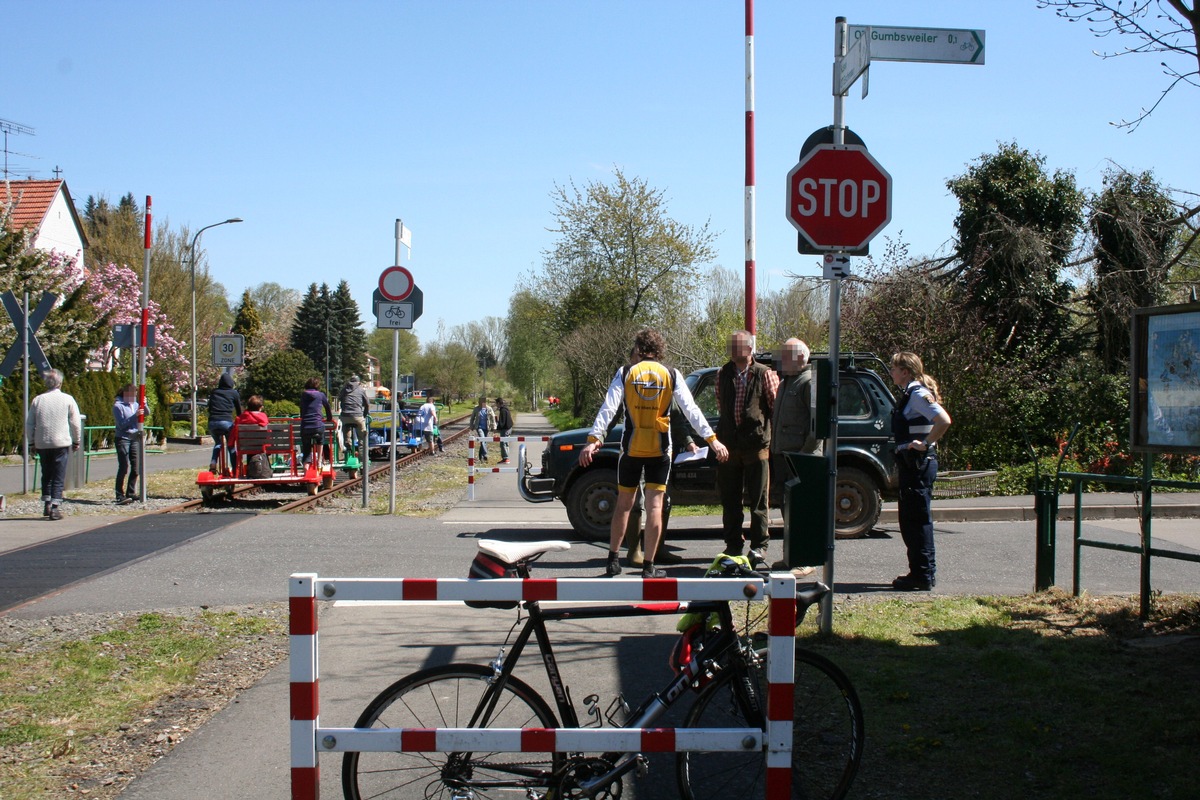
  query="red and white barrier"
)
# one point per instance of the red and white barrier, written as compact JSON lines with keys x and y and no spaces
{"x":472,"y":466}
{"x":308,"y":738}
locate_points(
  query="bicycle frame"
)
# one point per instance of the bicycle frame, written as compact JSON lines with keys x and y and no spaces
{"x":714,"y":658}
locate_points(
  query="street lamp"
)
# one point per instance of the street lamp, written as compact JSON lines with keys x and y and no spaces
{"x":192,"y":260}
{"x":328,"y":313}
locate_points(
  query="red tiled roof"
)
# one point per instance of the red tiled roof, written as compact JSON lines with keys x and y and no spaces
{"x":32,"y":198}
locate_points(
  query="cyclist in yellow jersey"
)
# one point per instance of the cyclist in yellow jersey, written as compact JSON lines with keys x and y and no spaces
{"x":644,"y":389}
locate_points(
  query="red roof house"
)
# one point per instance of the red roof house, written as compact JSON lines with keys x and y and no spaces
{"x":46,"y":209}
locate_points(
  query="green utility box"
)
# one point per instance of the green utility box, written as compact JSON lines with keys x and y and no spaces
{"x":806,"y":511}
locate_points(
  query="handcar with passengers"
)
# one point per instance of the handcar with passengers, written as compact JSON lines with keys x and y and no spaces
{"x":269,"y":455}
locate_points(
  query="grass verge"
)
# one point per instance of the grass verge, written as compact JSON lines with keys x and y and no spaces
{"x":70,"y":701}
{"x":1040,"y":696}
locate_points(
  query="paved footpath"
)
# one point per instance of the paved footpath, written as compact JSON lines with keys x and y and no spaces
{"x":363,"y":648}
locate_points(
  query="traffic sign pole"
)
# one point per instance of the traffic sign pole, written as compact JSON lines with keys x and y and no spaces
{"x":840,"y":48}
{"x":145,"y":354}
{"x":403,"y":239}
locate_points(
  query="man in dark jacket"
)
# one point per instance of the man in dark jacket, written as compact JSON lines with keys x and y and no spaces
{"x":504,"y":426}
{"x":746,"y":399}
{"x":224,"y":406}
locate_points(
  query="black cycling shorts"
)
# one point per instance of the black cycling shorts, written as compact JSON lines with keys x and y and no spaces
{"x":630,"y":471}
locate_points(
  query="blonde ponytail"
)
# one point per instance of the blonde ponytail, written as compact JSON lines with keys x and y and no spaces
{"x":911,"y":362}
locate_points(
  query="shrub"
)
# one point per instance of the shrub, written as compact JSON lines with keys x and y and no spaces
{"x":280,"y":376}
{"x":1019,"y":479}
{"x":281,"y":408}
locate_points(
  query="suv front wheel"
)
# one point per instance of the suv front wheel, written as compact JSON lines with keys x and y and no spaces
{"x":591,"y":502}
{"x":857,"y":503}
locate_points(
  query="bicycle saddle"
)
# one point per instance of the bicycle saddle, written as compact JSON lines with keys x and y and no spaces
{"x":512,"y":552}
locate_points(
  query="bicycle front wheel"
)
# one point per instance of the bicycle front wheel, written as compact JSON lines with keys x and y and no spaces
{"x":447,"y":697}
{"x":827,"y":736}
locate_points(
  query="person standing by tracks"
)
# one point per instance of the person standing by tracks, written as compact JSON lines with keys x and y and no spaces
{"x":427,"y":423}
{"x":125,"y":441}
{"x":746,"y":399}
{"x":481,"y":423}
{"x":54,"y":428}
{"x":312,"y":423}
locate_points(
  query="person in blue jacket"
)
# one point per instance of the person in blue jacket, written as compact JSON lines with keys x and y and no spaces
{"x":126,"y":438}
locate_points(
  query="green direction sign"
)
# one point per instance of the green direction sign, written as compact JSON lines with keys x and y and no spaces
{"x":932,"y":45}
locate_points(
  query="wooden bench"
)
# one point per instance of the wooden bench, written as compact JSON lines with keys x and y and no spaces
{"x":272,"y":439}
{"x":275,"y":439}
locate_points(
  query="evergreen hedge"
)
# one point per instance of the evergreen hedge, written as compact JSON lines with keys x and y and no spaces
{"x":93,"y":391}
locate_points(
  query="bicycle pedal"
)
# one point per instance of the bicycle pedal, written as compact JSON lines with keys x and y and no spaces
{"x":643,"y":767}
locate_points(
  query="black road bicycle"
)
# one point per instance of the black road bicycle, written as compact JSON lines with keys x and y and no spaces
{"x":719,"y":664}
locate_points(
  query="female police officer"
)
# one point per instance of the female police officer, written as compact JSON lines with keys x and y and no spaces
{"x":918,"y":422}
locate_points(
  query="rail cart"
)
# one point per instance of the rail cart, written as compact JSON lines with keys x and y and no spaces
{"x":379,"y":438}
{"x":278,"y":444}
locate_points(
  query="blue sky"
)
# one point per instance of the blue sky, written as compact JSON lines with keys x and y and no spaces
{"x":322,"y":123}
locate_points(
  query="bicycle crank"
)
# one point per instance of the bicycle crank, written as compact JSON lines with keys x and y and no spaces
{"x":582,"y":771}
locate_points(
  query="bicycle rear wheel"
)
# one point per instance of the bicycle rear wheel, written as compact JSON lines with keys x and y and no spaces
{"x":446,"y":697}
{"x":827,"y":737}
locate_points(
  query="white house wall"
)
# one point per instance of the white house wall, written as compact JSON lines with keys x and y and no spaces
{"x":58,"y":231}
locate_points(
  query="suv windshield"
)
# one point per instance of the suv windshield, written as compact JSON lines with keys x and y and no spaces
{"x":707,"y":400}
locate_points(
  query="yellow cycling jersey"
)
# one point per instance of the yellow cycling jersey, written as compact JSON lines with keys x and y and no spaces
{"x":648,"y":390}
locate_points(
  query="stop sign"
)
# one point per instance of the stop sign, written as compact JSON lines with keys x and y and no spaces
{"x":838,"y":197}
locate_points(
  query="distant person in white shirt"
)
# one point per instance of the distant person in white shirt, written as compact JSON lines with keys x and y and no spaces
{"x":427,"y":422}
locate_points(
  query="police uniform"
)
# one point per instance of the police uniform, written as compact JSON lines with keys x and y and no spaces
{"x":912,"y":421}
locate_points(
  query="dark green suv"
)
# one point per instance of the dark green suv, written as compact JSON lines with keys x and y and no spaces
{"x":865,"y":466}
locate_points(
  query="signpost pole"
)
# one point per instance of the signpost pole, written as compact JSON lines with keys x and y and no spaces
{"x":840,"y":45}
{"x":400,"y":241}
{"x":751,"y":292}
{"x":25,"y":398}
{"x":144,"y":351}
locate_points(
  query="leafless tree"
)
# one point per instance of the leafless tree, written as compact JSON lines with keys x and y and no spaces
{"x":1153,"y":26}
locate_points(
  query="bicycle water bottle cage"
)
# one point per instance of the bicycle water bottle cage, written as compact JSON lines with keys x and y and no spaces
{"x":620,"y":706}
{"x":592,"y":704}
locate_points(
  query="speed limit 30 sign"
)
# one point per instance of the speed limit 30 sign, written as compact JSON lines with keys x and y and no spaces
{"x":228,"y":350}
